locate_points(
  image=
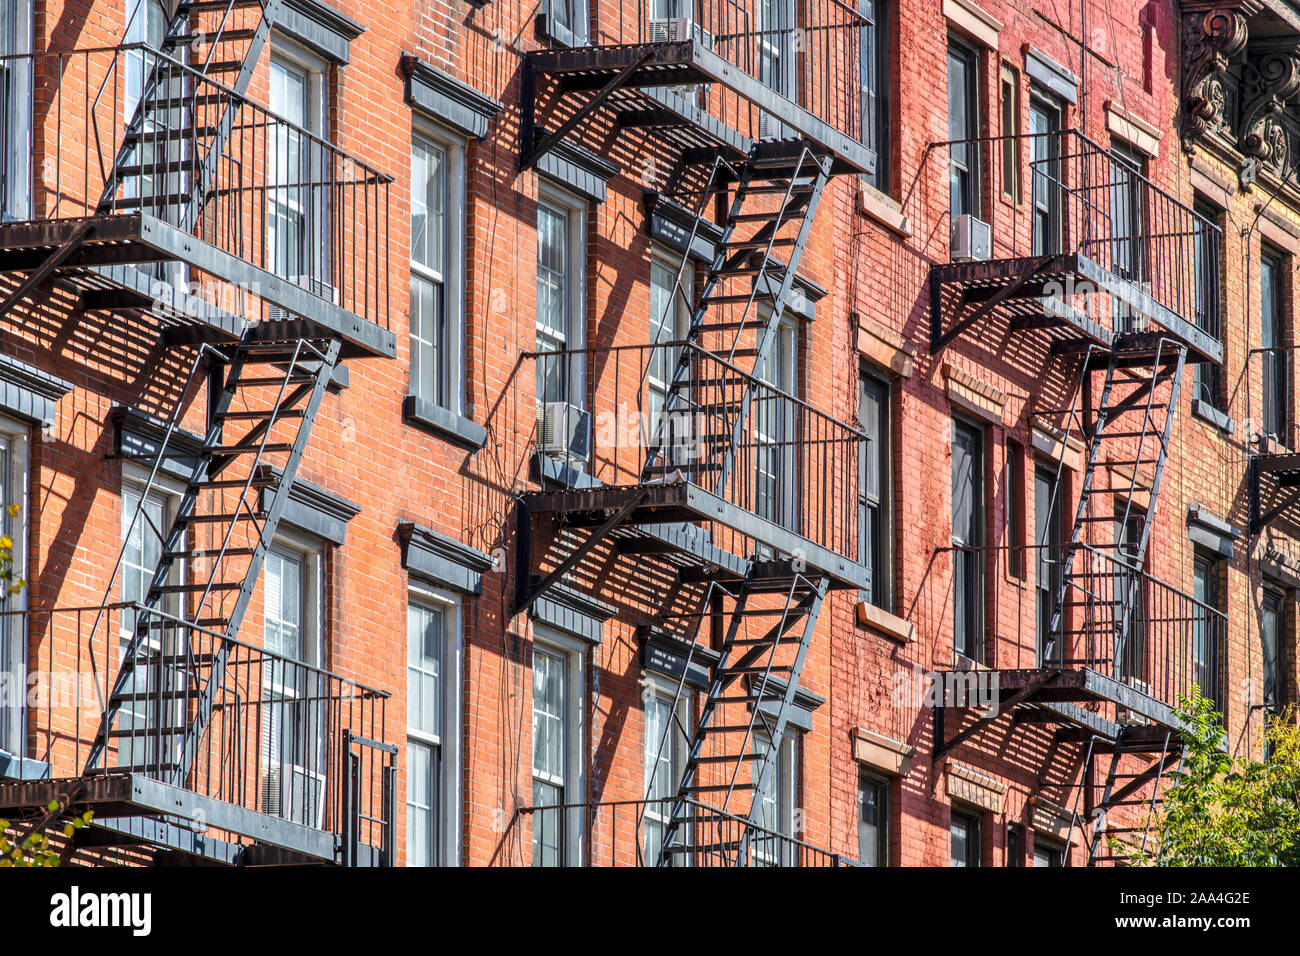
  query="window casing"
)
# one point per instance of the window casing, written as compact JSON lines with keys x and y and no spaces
{"x":13,"y":632}
{"x":875,"y":489}
{"x":433,"y":729}
{"x":1129,"y":229}
{"x":1130,"y":656}
{"x":15,"y":110}
{"x":1206,"y":576}
{"x":1010,"y":119}
{"x":873,"y":820}
{"x":965,"y":838}
{"x":963,"y":126}
{"x":968,"y":539}
{"x":293,"y":690}
{"x":296,"y":213}
{"x":1045,"y":190}
{"x":1272,"y":629}
{"x":1014,"y":483}
{"x":773,"y":435}
{"x":1047,"y":853}
{"x":1049,"y":554}
{"x":569,"y":22}
{"x":1207,"y":382}
{"x":669,"y":320}
{"x":874,"y":76}
{"x":778,"y":796}
{"x":666,"y":745}
{"x":558,"y":731}
{"x":561,"y":298}
{"x":437,"y":284}
{"x":1276,"y":360}
{"x":1015,"y":845}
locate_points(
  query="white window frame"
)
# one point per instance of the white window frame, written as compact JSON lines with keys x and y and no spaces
{"x":656,"y":395}
{"x":452,"y":282}
{"x":15,"y":200}
{"x":310,"y":553}
{"x":787,"y":794}
{"x":663,"y":690}
{"x":315,"y":71}
{"x":575,"y":336}
{"x":449,"y":745}
{"x":574,"y":653}
{"x":785,"y":343}
{"x":13,"y":632}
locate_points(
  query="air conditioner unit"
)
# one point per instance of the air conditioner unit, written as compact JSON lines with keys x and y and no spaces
{"x":294,"y":793}
{"x":317,"y":287}
{"x":671,"y":30}
{"x":563,"y":431}
{"x":972,"y":239}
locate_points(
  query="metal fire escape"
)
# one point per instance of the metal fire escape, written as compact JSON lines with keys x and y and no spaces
{"x":1112,"y":278}
{"x":182,"y":669}
{"x":761,"y":196}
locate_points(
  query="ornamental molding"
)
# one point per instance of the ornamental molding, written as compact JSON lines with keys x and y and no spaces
{"x":1211,"y":38}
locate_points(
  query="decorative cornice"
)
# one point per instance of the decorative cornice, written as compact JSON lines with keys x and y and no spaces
{"x":446,"y":99}
{"x":28,"y":391}
{"x":321,"y":27}
{"x":1211,"y":37}
{"x":1271,"y":78}
{"x":428,"y":554}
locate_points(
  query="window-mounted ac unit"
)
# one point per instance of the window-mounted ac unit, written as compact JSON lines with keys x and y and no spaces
{"x":671,"y":30}
{"x":972,"y":239}
{"x":317,"y":287}
{"x":563,"y":431}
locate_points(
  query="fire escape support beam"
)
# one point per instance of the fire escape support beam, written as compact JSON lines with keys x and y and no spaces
{"x":46,"y":268}
{"x":531,"y":592}
{"x":531,"y":149}
{"x":941,"y":339}
{"x":942,"y":746}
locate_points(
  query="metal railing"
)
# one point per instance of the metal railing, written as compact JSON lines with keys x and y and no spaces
{"x":273,"y":194}
{"x":1063,"y":193}
{"x":630,"y":833}
{"x":283,"y":737}
{"x":784,"y":460}
{"x":807,"y":53}
{"x":1173,"y":641}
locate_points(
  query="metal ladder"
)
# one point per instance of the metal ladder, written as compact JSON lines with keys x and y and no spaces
{"x":770,"y":628}
{"x":1135,"y":414}
{"x":233,"y":34}
{"x":777,"y":189}
{"x":1093,"y":822}
{"x":237,"y":489}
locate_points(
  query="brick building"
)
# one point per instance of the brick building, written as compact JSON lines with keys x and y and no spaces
{"x":598,"y":429}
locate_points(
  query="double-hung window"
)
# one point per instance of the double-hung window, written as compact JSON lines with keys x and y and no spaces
{"x":965,"y":839}
{"x":1128,"y":229}
{"x":968,"y":539}
{"x":13,"y":633}
{"x":1046,"y":186}
{"x":875,"y":488}
{"x":432,"y":728}
{"x":561,"y":298}
{"x":1272,"y":628}
{"x":1274,"y":357}
{"x":1050,"y":552}
{"x":1129,"y":597}
{"x":296,"y":202}
{"x":569,"y":21}
{"x":1208,"y":380}
{"x":294,"y":697}
{"x":437,"y":251}
{"x":1208,"y":633}
{"x":775,"y":424}
{"x":558,"y":707}
{"x":873,"y":57}
{"x":669,"y":319}
{"x":873,"y":820}
{"x":775,"y":55}
{"x":666,"y":744}
{"x":778,"y":796}
{"x":15,"y":109}
{"x":963,"y":128}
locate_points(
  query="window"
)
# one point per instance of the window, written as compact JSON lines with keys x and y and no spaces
{"x":667,"y":743}
{"x":875,"y":490}
{"x":1010,"y":117}
{"x":557,"y":753}
{"x":1207,"y":384}
{"x":1275,"y":359}
{"x":1128,"y":229}
{"x":1014,"y":483}
{"x":295,"y":214}
{"x":1047,"y":538}
{"x":1272,"y":627}
{"x":669,"y":320}
{"x":963,"y":127}
{"x":1045,"y":153}
{"x":13,"y":633}
{"x":146,"y":518}
{"x":15,"y":110}
{"x":968,"y":539}
{"x":293,"y":691}
{"x":561,"y":298}
{"x":874,"y":64}
{"x":774,"y":29}
{"x":1206,"y":575}
{"x":964,"y":829}
{"x":1130,"y":601}
{"x":437,"y":251}
{"x":873,"y":820}
{"x":778,"y":797}
{"x":432,"y":728}
{"x":570,"y":22}
{"x":1047,"y":853}
{"x":775,"y":493}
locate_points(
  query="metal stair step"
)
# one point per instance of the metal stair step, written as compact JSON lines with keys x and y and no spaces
{"x":215,"y":518}
{"x":251,"y":449}
{"x":189,"y":555}
{"x":725,"y":758}
{"x":261,"y":416}
{"x":196,"y":588}
{"x":207,"y":6}
{"x":703,"y":848}
{"x":149,"y":732}
{"x":760,"y":243}
{"x":186,"y":132}
{"x":223,"y":66}
{"x":169,"y":660}
{"x":219,"y":483}
{"x":208,"y":623}
{"x":717,"y":787}
{"x":225,"y":36}
{"x":261,"y":381}
{"x":164,"y":696}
